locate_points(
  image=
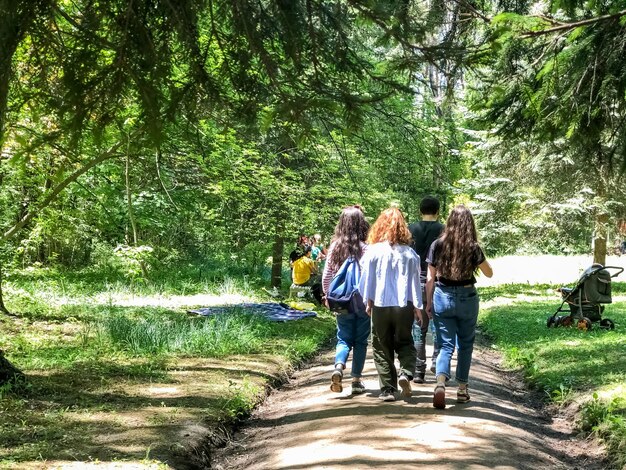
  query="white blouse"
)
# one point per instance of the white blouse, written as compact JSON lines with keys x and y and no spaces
{"x":390,"y":276}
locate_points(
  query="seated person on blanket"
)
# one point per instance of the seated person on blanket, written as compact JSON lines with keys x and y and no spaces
{"x":305,"y":273}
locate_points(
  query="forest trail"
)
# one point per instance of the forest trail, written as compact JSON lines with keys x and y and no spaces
{"x":305,"y":426}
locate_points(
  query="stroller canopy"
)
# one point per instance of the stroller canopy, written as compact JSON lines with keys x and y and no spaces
{"x":594,"y":285}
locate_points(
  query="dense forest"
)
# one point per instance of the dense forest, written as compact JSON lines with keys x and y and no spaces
{"x":139,"y":135}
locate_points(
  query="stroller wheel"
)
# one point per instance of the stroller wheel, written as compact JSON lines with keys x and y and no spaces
{"x":584,"y":324}
{"x":551,"y":321}
{"x":607,"y":324}
{"x":565,"y":320}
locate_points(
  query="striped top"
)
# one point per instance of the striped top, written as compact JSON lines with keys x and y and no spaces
{"x":330,"y":271}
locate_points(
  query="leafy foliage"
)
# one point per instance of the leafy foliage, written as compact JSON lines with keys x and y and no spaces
{"x":213,"y":129}
{"x":549,"y":89}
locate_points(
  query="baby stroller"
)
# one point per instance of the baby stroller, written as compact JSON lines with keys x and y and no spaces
{"x":585,"y":299}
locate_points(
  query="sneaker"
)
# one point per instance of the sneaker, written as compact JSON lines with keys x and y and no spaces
{"x":462,"y":395}
{"x":405,"y":385}
{"x":439,"y":397}
{"x":387,"y":395}
{"x":335,"y":381}
{"x":358,"y":387}
{"x":419,"y":378}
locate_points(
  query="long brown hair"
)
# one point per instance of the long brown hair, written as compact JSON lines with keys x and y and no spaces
{"x":350,"y":232}
{"x":457,"y":244}
{"x":390,"y":227}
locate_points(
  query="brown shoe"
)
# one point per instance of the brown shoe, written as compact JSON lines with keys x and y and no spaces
{"x":462,"y":395}
{"x":439,"y":397}
{"x":335,"y":381}
{"x":405,"y":385}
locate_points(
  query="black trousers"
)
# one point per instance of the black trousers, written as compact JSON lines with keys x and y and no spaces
{"x":392,"y":334}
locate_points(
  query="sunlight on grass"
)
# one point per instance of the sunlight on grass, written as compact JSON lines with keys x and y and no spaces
{"x":568,"y":364}
{"x":554,"y":355}
{"x":92,"y":343}
{"x":233,"y":333}
{"x":108,"y":357}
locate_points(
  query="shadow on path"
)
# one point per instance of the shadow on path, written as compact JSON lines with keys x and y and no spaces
{"x":305,"y":426}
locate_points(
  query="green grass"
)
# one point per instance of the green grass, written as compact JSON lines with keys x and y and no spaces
{"x":186,"y":279}
{"x":116,"y":334}
{"x":565,"y":363}
{"x":85,"y":357}
{"x":156,"y":333}
{"x":514,"y":290}
{"x":233,"y":332}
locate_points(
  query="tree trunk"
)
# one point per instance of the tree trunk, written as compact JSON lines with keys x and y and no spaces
{"x":8,"y":372}
{"x":129,"y":201}
{"x":3,"y":308}
{"x":16,"y":19}
{"x":601,"y":219}
{"x":277,"y":256}
{"x":599,"y":238}
{"x":131,"y":214}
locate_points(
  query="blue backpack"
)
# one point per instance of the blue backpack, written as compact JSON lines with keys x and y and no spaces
{"x":343,"y":293}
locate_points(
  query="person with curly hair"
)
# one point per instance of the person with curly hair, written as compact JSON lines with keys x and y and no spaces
{"x":390,"y":286}
{"x":353,"y":328}
{"x":453,"y":260}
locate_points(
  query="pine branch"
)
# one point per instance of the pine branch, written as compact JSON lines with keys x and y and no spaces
{"x":576,"y":24}
{"x":473,"y":10}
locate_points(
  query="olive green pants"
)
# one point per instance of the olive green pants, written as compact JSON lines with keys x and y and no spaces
{"x":391,"y":334}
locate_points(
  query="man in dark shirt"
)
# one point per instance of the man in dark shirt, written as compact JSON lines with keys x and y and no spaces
{"x":424,"y":233}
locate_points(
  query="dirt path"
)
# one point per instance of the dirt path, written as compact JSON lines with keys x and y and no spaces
{"x":305,"y":426}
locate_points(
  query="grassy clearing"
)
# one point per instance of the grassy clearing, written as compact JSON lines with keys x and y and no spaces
{"x":109,"y":382}
{"x":158,"y":333}
{"x":567,"y":364}
{"x":113,"y":380}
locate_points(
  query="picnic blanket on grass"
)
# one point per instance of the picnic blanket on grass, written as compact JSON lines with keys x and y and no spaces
{"x":271,"y":310}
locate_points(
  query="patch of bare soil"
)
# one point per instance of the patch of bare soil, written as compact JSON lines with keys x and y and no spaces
{"x":174,"y":423}
{"x":504,"y":426}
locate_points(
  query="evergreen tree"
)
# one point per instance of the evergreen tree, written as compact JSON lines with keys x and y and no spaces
{"x":557,"y":79}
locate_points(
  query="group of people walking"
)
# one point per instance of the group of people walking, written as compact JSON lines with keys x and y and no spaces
{"x":410,"y":275}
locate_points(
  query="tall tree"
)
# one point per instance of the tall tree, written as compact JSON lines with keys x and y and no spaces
{"x":558,"y":79}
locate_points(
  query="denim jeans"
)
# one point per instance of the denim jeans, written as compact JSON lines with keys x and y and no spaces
{"x":419,"y":338}
{"x":353,"y":330}
{"x":455,"y":314}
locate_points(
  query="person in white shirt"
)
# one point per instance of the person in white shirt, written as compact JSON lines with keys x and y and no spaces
{"x":390,"y":286}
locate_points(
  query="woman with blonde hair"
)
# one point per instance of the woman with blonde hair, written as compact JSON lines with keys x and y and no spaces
{"x":453,"y":259}
{"x":390,"y":286}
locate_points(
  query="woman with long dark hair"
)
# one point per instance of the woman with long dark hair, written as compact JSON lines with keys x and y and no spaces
{"x":390,"y":286}
{"x":453,"y":260}
{"x":353,"y":328}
